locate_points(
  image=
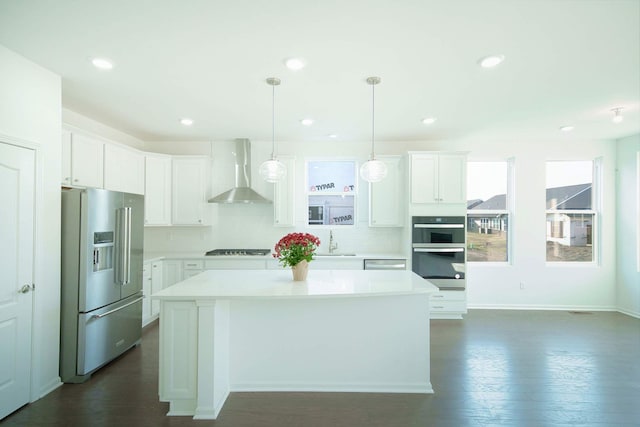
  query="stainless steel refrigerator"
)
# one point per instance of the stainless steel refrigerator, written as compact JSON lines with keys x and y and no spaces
{"x":101,"y":279}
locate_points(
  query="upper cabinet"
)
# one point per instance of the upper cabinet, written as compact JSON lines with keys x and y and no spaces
{"x":82,"y":160}
{"x":123,"y":169}
{"x":157,"y":190}
{"x":284,"y":196}
{"x":190,"y":176}
{"x":438,"y":177}
{"x":386,"y":201}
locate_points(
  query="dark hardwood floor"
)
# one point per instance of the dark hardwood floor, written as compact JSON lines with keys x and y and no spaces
{"x":494,"y":368}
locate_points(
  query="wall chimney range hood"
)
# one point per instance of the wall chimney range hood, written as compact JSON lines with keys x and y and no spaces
{"x":242,"y":192}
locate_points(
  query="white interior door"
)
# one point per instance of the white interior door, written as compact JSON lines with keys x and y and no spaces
{"x":17,"y":169}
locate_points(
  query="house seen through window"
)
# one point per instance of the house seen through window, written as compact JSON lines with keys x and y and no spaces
{"x":488,"y":207}
{"x":331,"y":190}
{"x":571,"y":217}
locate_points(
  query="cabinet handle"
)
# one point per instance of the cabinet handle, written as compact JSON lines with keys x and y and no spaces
{"x":437,"y":296}
{"x":437,"y":306}
{"x":75,"y":180}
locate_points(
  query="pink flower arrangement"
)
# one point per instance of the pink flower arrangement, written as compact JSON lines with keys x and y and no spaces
{"x":294,"y":247}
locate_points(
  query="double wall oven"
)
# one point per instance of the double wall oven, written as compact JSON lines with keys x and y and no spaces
{"x":438,"y":250}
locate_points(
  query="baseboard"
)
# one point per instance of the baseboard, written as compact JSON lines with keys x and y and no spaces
{"x":631,"y":313}
{"x":540,"y":307}
{"x":48,"y":388}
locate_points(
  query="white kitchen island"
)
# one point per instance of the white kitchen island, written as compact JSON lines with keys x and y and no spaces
{"x":341,"y":331}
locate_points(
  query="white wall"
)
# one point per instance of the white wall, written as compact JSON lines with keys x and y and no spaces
{"x":30,"y":114}
{"x":545,"y":286}
{"x":628,"y":225}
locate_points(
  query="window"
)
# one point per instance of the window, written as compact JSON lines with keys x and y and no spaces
{"x":488,"y":211}
{"x":331,"y":189}
{"x":571,"y":216}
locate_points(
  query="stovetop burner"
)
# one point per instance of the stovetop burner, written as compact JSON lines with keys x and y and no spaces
{"x":237,"y":252}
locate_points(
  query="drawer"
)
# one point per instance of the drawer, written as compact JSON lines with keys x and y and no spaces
{"x":449,"y":296}
{"x":194,"y":264}
{"x":235,"y":264}
{"x":449,"y":306}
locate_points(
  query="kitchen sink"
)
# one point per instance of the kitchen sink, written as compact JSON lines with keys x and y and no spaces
{"x":336,"y":254}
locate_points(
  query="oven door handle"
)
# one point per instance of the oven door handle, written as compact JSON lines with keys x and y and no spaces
{"x":438,"y":249}
{"x":438,"y":225}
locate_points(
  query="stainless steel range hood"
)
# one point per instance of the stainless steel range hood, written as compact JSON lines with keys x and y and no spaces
{"x":242,"y":192}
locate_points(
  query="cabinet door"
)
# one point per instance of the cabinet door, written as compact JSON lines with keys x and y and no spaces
{"x":284,"y":196}
{"x":66,"y":158}
{"x":424,"y":182}
{"x":172,"y":272}
{"x":452,"y":182}
{"x":189,"y":204}
{"x":157,"y":275}
{"x":146,"y":292}
{"x":86,"y":161}
{"x":157,"y":191}
{"x":123,"y":169}
{"x":386,"y":197}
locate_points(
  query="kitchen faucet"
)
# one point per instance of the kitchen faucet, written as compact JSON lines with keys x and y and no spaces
{"x":332,"y":245}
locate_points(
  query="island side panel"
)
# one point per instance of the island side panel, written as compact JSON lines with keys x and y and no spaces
{"x":358,"y":344}
{"x":178,"y":356}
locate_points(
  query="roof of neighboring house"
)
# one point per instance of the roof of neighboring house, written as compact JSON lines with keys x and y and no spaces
{"x":473,"y":203}
{"x":494,"y":203}
{"x":568,"y":197}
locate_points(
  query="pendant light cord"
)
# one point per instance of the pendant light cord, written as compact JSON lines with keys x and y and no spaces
{"x":273,"y":122}
{"x":373,"y":120}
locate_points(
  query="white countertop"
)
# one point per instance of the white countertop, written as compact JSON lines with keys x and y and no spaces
{"x":153,"y":256}
{"x":259,"y":284}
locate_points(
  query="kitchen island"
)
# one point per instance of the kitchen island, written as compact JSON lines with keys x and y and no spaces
{"x":340,"y":330}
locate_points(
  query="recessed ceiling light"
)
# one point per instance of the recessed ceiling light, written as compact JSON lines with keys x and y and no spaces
{"x":102,"y":63}
{"x":429,"y":120}
{"x":307,"y":122}
{"x":566,"y":128}
{"x":332,"y":135}
{"x":295,"y":64}
{"x":186,"y":121}
{"x":491,"y":61}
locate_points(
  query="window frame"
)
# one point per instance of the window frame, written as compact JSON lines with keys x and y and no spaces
{"x":353,"y":193}
{"x":509,"y":212}
{"x":595,"y":211}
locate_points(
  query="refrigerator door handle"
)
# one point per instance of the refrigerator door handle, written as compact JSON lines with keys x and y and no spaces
{"x":123,"y":230}
{"x":100,"y":316}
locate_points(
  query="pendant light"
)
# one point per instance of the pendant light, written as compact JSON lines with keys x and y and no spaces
{"x":617,"y":117}
{"x":273,"y":170}
{"x":373,"y":170}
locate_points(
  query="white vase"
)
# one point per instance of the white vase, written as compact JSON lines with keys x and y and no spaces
{"x":300,"y":271}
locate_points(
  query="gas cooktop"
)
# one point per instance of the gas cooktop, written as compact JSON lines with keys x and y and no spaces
{"x":236,"y":252}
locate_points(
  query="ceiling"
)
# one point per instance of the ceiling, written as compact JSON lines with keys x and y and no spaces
{"x":568,"y":62}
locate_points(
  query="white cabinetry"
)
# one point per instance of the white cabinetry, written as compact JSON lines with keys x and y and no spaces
{"x":191,"y":268}
{"x":448,"y":304}
{"x":224,"y":263}
{"x":152,"y":282}
{"x":284,"y":196}
{"x":123,"y":169}
{"x":157,"y":190}
{"x":189,"y":190}
{"x":172,"y":272}
{"x":82,"y":160}
{"x":386,"y":201}
{"x":438,"y":178}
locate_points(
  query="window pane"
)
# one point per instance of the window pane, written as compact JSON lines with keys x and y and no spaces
{"x":569,"y":185}
{"x":331,"y":210}
{"x":487,"y":231}
{"x":487,"y":237}
{"x":569,"y":188}
{"x":332,"y":176}
{"x":570,"y":237}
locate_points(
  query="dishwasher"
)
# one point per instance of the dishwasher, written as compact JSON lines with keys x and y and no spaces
{"x":385,"y":264}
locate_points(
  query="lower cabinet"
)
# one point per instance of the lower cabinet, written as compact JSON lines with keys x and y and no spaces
{"x":172,"y":272}
{"x":448,"y":304}
{"x":152,"y":282}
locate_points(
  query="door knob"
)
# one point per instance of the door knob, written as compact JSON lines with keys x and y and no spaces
{"x":25,"y":289}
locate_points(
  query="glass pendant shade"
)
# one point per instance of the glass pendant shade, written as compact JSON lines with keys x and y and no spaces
{"x":373,"y":170}
{"x":272,"y":170}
